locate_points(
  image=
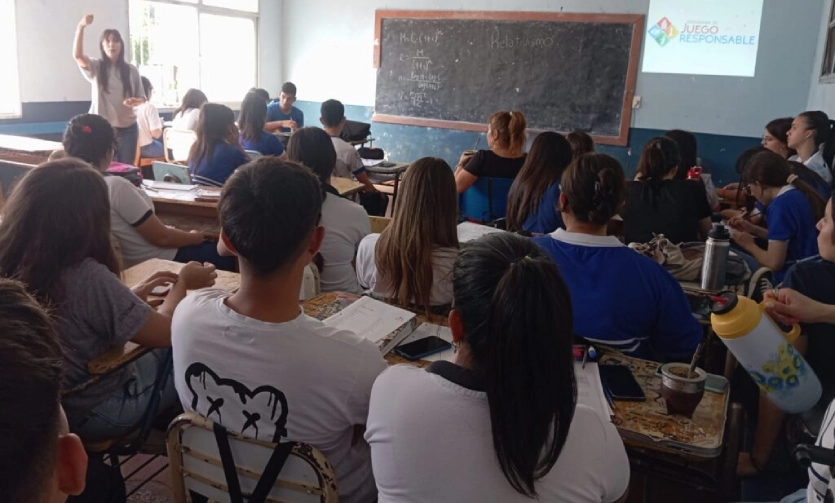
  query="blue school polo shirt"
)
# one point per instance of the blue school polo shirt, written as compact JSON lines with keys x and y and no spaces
{"x":547,"y":217}
{"x":623,"y":299}
{"x":224,"y":161}
{"x":267,"y":144}
{"x":790,"y":218}
{"x":274,"y":113}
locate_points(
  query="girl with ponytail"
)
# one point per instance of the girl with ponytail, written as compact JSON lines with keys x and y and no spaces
{"x":658,"y":203}
{"x":648,"y":315}
{"x":792,"y":207}
{"x":506,"y":139}
{"x":812,"y":135}
{"x":504,"y":413}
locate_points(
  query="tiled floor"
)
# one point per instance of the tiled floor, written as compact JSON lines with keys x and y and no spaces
{"x":158,"y":489}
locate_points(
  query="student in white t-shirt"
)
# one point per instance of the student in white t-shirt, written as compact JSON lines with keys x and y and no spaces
{"x":141,"y":235}
{"x":345,"y":222}
{"x":348,"y":162}
{"x":411,"y":261}
{"x":252,"y":360}
{"x":501,"y":423}
{"x":150,"y":124}
{"x":812,"y":135}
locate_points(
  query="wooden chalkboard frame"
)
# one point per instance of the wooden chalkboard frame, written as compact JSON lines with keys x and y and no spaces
{"x":636,"y":20}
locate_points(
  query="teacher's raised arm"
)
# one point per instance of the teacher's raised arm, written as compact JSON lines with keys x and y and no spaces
{"x":116,"y":86}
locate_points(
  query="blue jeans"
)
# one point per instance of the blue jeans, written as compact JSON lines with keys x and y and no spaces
{"x":122,"y":412}
{"x":205,"y":252}
{"x":127,"y":137}
{"x":153,"y":149}
{"x":795,"y":497}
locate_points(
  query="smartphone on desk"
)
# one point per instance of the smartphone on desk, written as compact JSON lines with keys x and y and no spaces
{"x":421,"y":348}
{"x":620,"y":382}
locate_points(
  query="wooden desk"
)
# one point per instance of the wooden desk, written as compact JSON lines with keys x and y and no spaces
{"x":346,"y":187}
{"x":182,"y":202}
{"x":26,"y":150}
{"x":119,"y":357}
{"x":208,"y":226}
{"x":389,"y":175}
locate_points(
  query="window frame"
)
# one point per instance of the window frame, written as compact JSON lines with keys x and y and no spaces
{"x":18,"y":112}
{"x":202,"y":8}
{"x":827,"y":66}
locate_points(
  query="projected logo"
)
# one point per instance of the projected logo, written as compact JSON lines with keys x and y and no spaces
{"x":663,"y":31}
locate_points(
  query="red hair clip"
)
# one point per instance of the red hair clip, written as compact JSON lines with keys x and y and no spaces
{"x":86,"y":129}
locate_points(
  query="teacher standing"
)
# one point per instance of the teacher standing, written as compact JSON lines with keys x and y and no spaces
{"x":117,"y":87}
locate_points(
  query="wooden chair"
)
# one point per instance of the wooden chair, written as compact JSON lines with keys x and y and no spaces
{"x":378,"y":224}
{"x":312,"y":284}
{"x":175,"y":142}
{"x":144,"y":164}
{"x":486,"y":200}
{"x":196,"y":465}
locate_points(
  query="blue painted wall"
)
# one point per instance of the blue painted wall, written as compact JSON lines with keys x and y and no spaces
{"x":407,"y":143}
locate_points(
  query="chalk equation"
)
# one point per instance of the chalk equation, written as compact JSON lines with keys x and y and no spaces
{"x":504,"y":41}
{"x":417,"y":99}
{"x":419,"y":61}
{"x":432,"y":37}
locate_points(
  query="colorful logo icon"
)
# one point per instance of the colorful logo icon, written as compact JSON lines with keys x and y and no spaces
{"x":663,"y":32}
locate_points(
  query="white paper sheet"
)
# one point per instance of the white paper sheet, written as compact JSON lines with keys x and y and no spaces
{"x":468,"y":231}
{"x":590,"y":389}
{"x":370,"y":318}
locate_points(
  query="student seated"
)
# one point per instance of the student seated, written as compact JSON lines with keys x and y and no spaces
{"x":150,"y":125}
{"x":581,"y":143}
{"x":55,"y":238}
{"x":187,"y":115}
{"x":410,"y":263}
{"x":348,"y":162}
{"x":776,"y":137}
{"x":261,"y":93}
{"x":501,"y":423}
{"x":620,"y":298}
{"x":41,"y":462}
{"x":346,"y":223}
{"x":141,"y":234}
{"x":308,"y":382}
{"x":532,"y":204}
{"x":657,"y":203}
{"x":216,"y":153}
{"x":282,"y":115}
{"x":688,"y":149}
{"x":806,"y":296}
{"x":504,"y":159}
{"x":251,"y":121}
{"x":812,"y":135}
{"x":791,"y":209}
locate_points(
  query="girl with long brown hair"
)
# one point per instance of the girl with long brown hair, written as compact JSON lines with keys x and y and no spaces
{"x":216,"y":153}
{"x":411,"y":261}
{"x":55,"y":238}
{"x":117,"y":87}
{"x":505,"y":157}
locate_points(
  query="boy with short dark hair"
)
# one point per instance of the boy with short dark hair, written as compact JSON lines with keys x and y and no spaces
{"x":281,"y":114}
{"x":348,"y":161}
{"x":252,"y":360}
{"x":40,"y":461}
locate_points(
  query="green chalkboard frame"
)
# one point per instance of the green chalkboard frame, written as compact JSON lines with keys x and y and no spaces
{"x":636,"y":20}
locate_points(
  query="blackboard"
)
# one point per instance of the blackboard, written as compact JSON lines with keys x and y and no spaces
{"x":452,"y":69}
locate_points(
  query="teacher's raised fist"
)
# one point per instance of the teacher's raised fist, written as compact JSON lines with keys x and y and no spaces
{"x":86,"y":21}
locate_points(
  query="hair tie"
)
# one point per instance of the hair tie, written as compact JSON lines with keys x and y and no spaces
{"x":791,"y":179}
{"x":599,"y":194}
{"x":86,"y":129}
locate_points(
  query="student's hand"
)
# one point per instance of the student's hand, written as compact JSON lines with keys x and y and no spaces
{"x":369,"y":188}
{"x":86,"y":21}
{"x":731,"y":214}
{"x":195,"y":275}
{"x":790,"y":306}
{"x":739,"y":223}
{"x":743,"y":239}
{"x":133,"y":102}
{"x":465,"y":158}
{"x":159,"y":278}
{"x":731,"y":186}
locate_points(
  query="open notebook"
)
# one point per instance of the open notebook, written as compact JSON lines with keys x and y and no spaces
{"x":381,"y":323}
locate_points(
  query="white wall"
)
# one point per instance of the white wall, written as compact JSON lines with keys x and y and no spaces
{"x":45,"y":30}
{"x":821,"y":96}
{"x":328,"y":48}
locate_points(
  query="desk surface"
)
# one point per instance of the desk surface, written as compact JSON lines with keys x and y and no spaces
{"x":399,"y":167}
{"x":28,"y":145}
{"x":208,"y":226}
{"x":346,"y":187}
{"x":118,"y":357}
{"x":183,"y":197}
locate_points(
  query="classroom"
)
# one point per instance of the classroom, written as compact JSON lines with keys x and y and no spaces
{"x":413,"y":251}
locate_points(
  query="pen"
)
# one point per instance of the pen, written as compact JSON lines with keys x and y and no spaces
{"x":608,"y":395}
{"x":585,"y":357}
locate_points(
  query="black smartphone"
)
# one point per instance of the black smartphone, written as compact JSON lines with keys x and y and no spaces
{"x":422,"y":348}
{"x":620,"y":382}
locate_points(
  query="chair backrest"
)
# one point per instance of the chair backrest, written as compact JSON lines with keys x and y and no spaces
{"x":254,"y":154}
{"x":306,"y":477}
{"x":174,"y":173}
{"x":486,"y":199}
{"x":378,"y":224}
{"x":177,"y":143}
{"x":311,"y":284}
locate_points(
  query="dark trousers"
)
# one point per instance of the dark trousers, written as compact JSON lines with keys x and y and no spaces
{"x":128,"y":137}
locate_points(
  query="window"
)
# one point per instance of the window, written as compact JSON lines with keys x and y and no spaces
{"x":828,"y":63}
{"x":10,"y":83}
{"x":210,"y":45}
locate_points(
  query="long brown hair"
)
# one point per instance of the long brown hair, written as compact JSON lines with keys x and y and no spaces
{"x":216,"y":126}
{"x":550,"y":154}
{"x":594,"y":187}
{"x":194,"y":98}
{"x":253,"y":116}
{"x":425,"y":219}
{"x":103,"y":76}
{"x":771,"y":170}
{"x":510,"y":129}
{"x":57,"y":215}
{"x":660,"y":156}
{"x":779,"y":129}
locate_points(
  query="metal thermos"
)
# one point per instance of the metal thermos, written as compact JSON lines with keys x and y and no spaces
{"x":716,"y":258}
